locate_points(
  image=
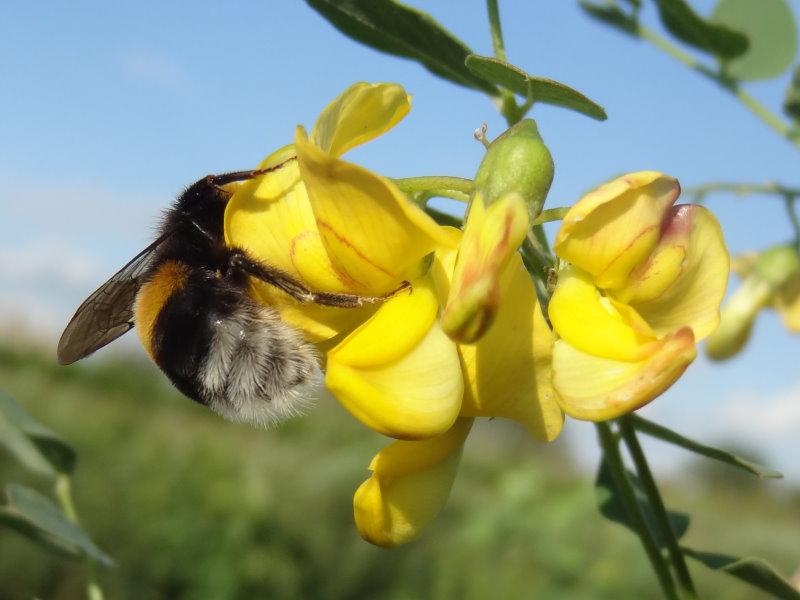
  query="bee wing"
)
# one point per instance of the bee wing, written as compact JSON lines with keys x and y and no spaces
{"x":108,"y":312}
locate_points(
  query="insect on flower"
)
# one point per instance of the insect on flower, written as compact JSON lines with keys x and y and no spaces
{"x":188,"y":294}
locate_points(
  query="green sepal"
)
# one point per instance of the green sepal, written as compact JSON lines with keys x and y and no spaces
{"x":517,"y":161}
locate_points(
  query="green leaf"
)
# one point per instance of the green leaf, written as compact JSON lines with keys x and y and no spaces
{"x":391,"y":27}
{"x":685,"y":24}
{"x":537,"y":89}
{"x":755,"y":571}
{"x":612,"y":15}
{"x":24,"y":527}
{"x":770,"y":28}
{"x":39,"y":518}
{"x":667,"y":435}
{"x":26,"y":438}
{"x":612,"y":508}
{"x":791,"y":102}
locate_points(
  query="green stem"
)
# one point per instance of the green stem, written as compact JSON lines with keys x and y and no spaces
{"x":506,"y":103}
{"x":793,"y":218}
{"x":422,"y":188}
{"x":743,"y":189}
{"x":762,"y":112}
{"x":551,"y":214}
{"x":63,"y":493}
{"x":496,"y":30}
{"x":657,"y":503}
{"x":627,"y":495}
{"x":538,"y":261}
{"x":443,"y":218}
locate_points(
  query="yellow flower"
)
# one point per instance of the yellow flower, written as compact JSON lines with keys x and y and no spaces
{"x":771,"y":279}
{"x":337,"y":227}
{"x":643,"y":285}
{"x":506,"y":374}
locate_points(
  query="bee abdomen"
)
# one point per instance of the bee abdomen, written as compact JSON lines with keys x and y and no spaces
{"x":257,"y":368}
{"x":222,"y":349}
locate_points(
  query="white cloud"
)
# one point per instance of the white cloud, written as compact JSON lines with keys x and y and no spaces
{"x":47,"y":262}
{"x":151,"y":67}
{"x":771,"y":416}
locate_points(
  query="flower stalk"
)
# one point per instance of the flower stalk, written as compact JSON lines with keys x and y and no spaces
{"x":684,"y":578}
{"x":613,"y":458}
{"x":420,"y":189}
{"x":63,"y":493}
{"x":769,"y":118}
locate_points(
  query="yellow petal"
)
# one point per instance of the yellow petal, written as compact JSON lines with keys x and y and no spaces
{"x":372,"y":233}
{"x":694,"y":297}
{"x":398,"y":373}
{"x":492,"y":237}
{"x":318,"y":323}
{"x":596,"y":324}
{"x":787,"y":303}
{"x":507,"y":372}
{"x":611,"y":230}
{"x":597,"y":389}
{"x":409,"y":486}
{"x":737,"y":318}
{"x":362,"y":112}
{"x":271,"y":218}
{"x":742,"y":264}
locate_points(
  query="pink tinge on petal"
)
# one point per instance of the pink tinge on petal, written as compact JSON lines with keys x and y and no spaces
{"x":677,"y":222}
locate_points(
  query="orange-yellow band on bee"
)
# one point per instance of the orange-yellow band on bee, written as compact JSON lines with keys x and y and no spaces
{"x":169,"y":277}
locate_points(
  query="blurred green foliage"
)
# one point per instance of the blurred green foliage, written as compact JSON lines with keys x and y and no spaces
{"x":190,"y":506}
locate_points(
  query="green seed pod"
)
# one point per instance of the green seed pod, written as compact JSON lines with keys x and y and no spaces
{"x":517,"y":161}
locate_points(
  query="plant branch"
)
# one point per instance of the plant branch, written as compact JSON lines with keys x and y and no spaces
{"x":420,"y":189}
{"x":743,"y":189}
{"x":496,"y":30}
{"x":506,"y":103}
{"x":63,"y":493}
{"x":791,"y":208}
{"x":551,"y":214}
{"x":657,"y":503}
{"x":538,"y":261}
{"x":762,"y":112}
{"x":627,"y":495}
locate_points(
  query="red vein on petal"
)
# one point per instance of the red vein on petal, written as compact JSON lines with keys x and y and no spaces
{"x":350,"y":245}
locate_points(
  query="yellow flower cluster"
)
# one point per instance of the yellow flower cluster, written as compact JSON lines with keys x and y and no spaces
{"x":643,"y":285}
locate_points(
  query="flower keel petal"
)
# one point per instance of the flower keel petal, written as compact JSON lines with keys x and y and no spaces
{"x":398,"y":373}
{"x":596,"y":389}
{"x":409,"y":486}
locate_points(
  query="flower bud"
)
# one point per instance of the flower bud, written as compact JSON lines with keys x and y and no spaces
{"x":769,"y":274}
{"x":492,"y":235}
{"x":517,"y":162}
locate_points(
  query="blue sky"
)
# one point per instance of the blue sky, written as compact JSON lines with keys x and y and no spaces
{"x":109,"y":109}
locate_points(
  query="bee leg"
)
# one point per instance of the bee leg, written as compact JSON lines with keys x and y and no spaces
{"x":219,"y":180}
{"x":287,"y":283}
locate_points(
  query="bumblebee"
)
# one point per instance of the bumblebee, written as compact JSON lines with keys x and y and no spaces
{"x":188,"y":294}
